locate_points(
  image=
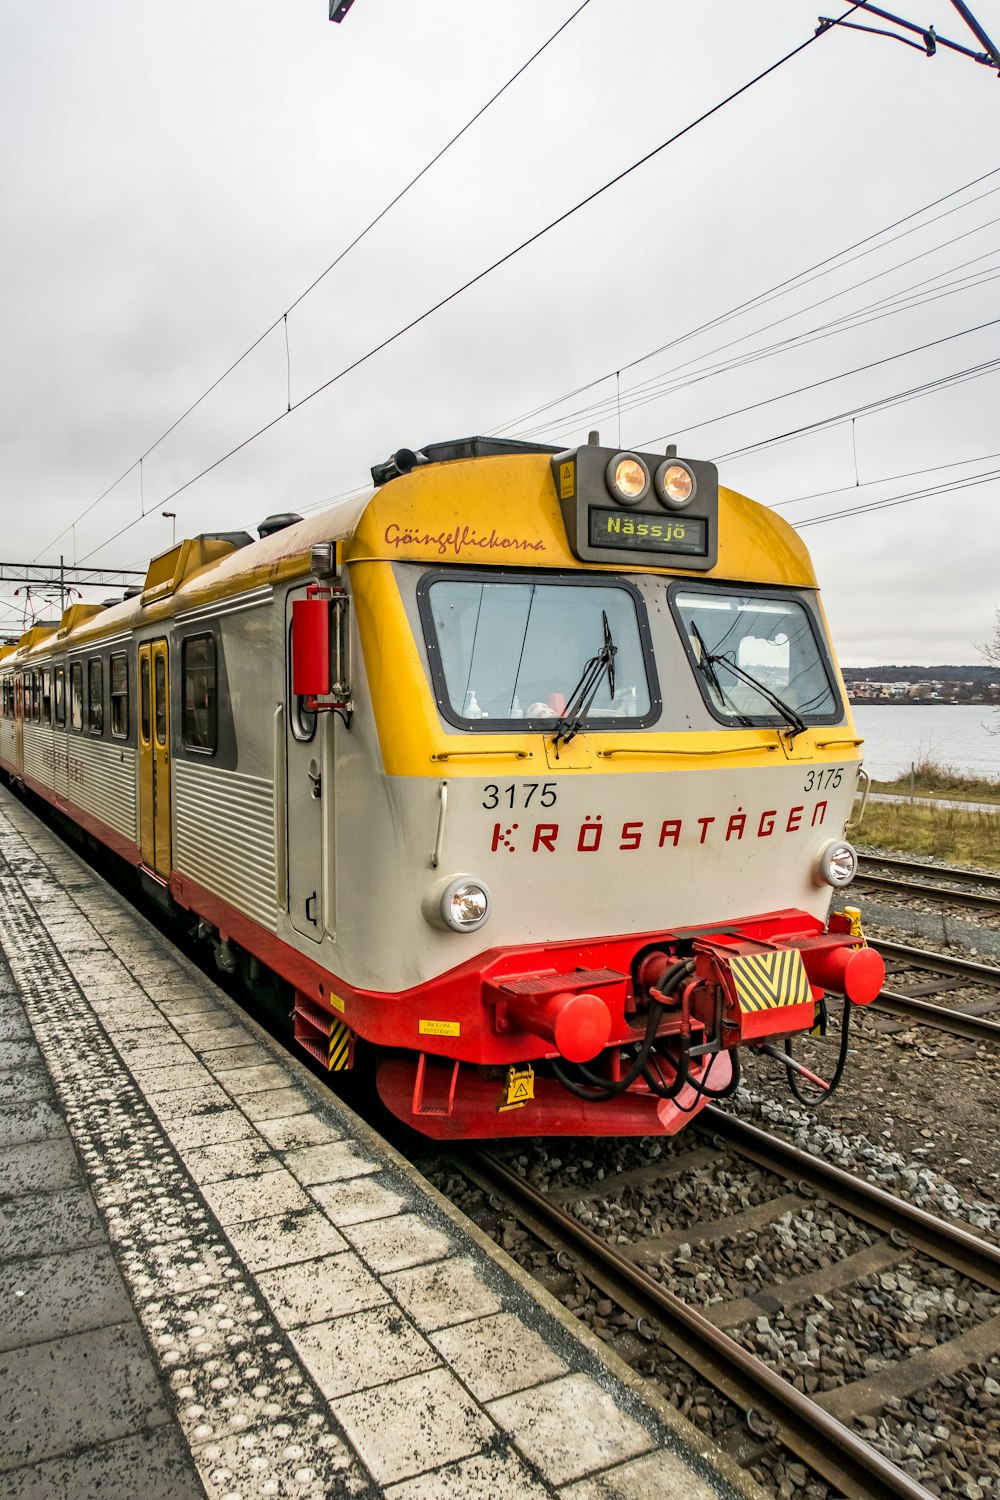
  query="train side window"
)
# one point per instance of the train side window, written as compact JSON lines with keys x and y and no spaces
{"x":119,"y":695}
{"x":199,"y":694}
{"x":95,"y":695}
{"x":144,"y":700}
{"x":46,"y":696}
{"x":60,"y":695}
{"x":76,"y":695}
{"x":160,"y":680}
{"x":29,"y":697}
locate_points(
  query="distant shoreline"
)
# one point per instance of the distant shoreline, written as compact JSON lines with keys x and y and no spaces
{"x":918,"y":703}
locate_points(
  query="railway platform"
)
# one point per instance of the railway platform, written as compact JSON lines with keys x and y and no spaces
{"x":216,"y":1279}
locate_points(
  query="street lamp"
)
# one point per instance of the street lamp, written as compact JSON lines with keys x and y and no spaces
{"x":171,"y":515}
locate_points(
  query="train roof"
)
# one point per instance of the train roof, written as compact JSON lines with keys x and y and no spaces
{"x":462,"y":504}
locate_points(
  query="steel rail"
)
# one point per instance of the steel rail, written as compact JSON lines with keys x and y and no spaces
{"x":938,"y":963}
{"x":983,"y":901}
{"x":941,"y":1017}
{"x":952,"y":1244}
{"x":824,"y":1443}
{"x":919,"y":867}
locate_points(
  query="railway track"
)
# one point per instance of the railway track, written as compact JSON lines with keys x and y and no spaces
{"x":974,"y":989}
{"x":947,"y":883}
{"x":886,"y":1242}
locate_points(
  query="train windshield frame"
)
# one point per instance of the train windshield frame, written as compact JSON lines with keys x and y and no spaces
{"x":507,"y":649}
{"x":775,"y":643}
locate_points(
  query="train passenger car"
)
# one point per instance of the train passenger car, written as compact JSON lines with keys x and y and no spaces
{"x":528,"y":773}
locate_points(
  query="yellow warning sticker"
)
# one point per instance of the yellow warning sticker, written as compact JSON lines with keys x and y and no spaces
{"x":567,"y":480}
{"x":336,"y":1002}
{"x":518,"y":1088}
{"x":440,"y":1028}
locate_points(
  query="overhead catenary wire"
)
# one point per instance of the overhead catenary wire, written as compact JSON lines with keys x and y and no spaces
{"x":669,"y":382}
{"x":813,"y":385}
{"x":282,"y":319}
{"x":480,"y":276}
{"x":898,"y":398}
{"x":800,"y":279}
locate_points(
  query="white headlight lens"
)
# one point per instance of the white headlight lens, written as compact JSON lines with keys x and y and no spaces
{"x":465,"y":905}
{"x":837,"y":865}
{"x":675,"y":485}
{"x":627,"y":479}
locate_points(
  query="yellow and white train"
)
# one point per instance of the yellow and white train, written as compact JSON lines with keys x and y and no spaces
{"x":528,"y":773}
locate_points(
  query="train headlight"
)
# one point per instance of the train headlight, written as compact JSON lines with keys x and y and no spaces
{"x":462,"y":904}
{"x":627,"y":478}
{"x":675,"y":484}
{"x":836,"y":864}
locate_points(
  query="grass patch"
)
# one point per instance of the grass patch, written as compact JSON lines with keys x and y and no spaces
{"x":928,"y":779}
{"x":954,"y":835}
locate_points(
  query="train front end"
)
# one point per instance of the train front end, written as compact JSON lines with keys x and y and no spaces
{"x":616,"y":765}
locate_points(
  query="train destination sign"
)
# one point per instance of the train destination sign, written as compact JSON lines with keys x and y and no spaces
{"x":641,"y":531}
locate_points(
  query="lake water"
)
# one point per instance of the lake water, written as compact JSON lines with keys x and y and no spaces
{"x":951,"y":735}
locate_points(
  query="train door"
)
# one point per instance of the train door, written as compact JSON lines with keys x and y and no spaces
{"x":308,"y":801}
{"x":19,"y":723}
{"x":154,"y":757}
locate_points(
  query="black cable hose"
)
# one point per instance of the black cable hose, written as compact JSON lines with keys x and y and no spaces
{"x":599,"y":1089}
{"x":813,"y":1101}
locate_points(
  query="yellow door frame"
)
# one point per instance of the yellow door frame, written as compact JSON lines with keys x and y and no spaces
{"x":154,"y":757}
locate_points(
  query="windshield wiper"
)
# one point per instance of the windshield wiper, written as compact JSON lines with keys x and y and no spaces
{"x":580,"y":699}
{"x":706,"y":665}
{"x":793,"y":719}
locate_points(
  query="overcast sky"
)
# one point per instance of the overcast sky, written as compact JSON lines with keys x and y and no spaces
{"x":175,"y":177}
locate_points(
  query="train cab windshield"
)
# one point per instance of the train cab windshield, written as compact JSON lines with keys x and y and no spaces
{"x":756,"y":658}
{"x":515,"y":650}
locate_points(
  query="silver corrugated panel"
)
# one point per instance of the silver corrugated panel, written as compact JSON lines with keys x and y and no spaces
{"x":38,"y":753}
{"x":102,"y":782}
{"x":7,"y":741}
{"x":224,"y":836}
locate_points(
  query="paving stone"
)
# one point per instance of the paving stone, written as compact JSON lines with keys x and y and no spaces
{"x":19,"y":1054}
{"x":244,"y":1081}
{"x":158,"y":1461}
{"x":32,"y":1120}
{"x":274,"y":1103}
{"x":445,"y":1292}
{"x":13,"y":1023}
{"x":496,"y":1356}
{"x":297,"y":1131}
{"x":660,"y":1473}
{"x":282,"y":1239}
{"x":237,"y":1199}
{"x":570,"y":1427}
{"x":156,"y":1080}
{"x":215,"y":1038}
{"x":394,"y":1244}
{"x":312,"y":1290}
{"x":224,"y":1125}
{"x":414,"y":1424}
{"x":247,"y":1055}
{"x":358,"y":1200}
{"x":18,"y":1088}
{"x":492,"y":1476}
{"x":73,"y":1392}
{"x":330,"y":1163}
{"x":188,"y":1103}
{"x":51,"y":1295}
{"x":45,"y":1223}
{"x":38,"y":1167}
{"x":363,"y":1349}
{"x":283,"y":1461}
{"x":246,"y":1156}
